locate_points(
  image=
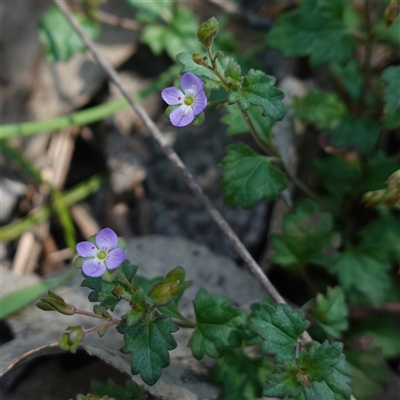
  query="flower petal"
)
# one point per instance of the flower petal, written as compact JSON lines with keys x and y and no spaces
{"x":93,"y":267}
{"x":86,"y":249}
{"x":115,"y":258}
{"x":191,"y":84}
{"x":172,"y":96}
{"x":182,"y":115}
{"x":200,"y":102}
{"x":106,"y":239}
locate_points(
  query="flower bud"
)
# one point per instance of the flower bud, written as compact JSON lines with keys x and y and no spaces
{"x":71,"y":340}
{"x":207,"y":32}
{"x":55,"y":303}
{"x":197,"y":58}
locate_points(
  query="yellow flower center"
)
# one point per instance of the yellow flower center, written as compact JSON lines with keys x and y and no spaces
{"x":189,"y":101}
{"x":102,"y":255}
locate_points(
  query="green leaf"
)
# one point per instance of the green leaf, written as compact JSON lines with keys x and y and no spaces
{"x":280,"y":327}
{"x":388,"y":35}
{"x":365,"y":270}
{"x":211,"y":82}
{"x":177,"y":35}
{"x":381,"y":332}
{"x":335,"y":386}
{"x":102,"y":289}
{"x":152,"y":11}
{"x":384,"y":232}
{"x":330,"y":312}
{"x":59,"y":37}
{"x":306,"y":32}
{"x":241,"y":377}
{"x":258,"y":89}
{"x":229,"y":69}
{"x":319,"y":372}
{"x":319,"y":108}
{"x":356,"y":133}
{"x":391,"y":77}
{"x":284,"y":382}
{"x":318,"y":361}
{"x":218,"y":326}
{"x":237,"y":124}
{"x":306,"y":239}
{"x":148,"y":343}
{"x":350,"y":77}
{"x":249,"y":177}
{"x":368,"y":372}
{"x":130,"y":391}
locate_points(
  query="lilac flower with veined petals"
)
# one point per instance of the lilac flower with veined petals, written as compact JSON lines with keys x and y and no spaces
{"x":104,"y":254}
{"x":191,"y":102}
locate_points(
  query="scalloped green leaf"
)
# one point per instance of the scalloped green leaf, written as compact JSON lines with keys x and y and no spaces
{"x":148,"y":343}
{"x":330,"y":312}
{"x":249,"y":177}
{"x":242,"y":377}
{"x":218,"y":326}
{"x":280,"y":327}
{"x":310,"y":32}
{"x":306,"y":238}
{"x":364,"y":269}
{"x":130,"y":391}
{"x":258,"y":89}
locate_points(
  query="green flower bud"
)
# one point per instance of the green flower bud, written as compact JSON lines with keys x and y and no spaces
{"x":207,"y":32}
{"x":197,"y":58}
{"x":55,"y":303}
{"x":71,"y":340}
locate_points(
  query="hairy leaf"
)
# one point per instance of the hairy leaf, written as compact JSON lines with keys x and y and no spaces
{"x":148,"y":343}
{"x":130,"y":391}
{"x":59,"y":38}
{"x":330,"y":312}
{"x":178,"y":35}
{"x":241,"y":377}
{"x":284,"y":382}
{"x":319,"y":108}
{"x":355,"y":133}
{"x":280,"y":327}
{"x":307,"y":31}
{"x":306,"y":238}
{"x":365,"y":270}
{"x":258,"y":89}
{"x":335,"y":386}
{"x":249,"y":177}
{"x":218,"y":326}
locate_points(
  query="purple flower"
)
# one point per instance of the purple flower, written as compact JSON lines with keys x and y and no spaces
{"x":191,"y":102}
{"x":102,"y":255}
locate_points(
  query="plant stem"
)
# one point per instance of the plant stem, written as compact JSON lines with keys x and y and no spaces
{"x":184,"y":323}
{"x":126,"y":281}
{"x":90,"y":314}
{"x":96,"y":328}
{"x":216,"y":102}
